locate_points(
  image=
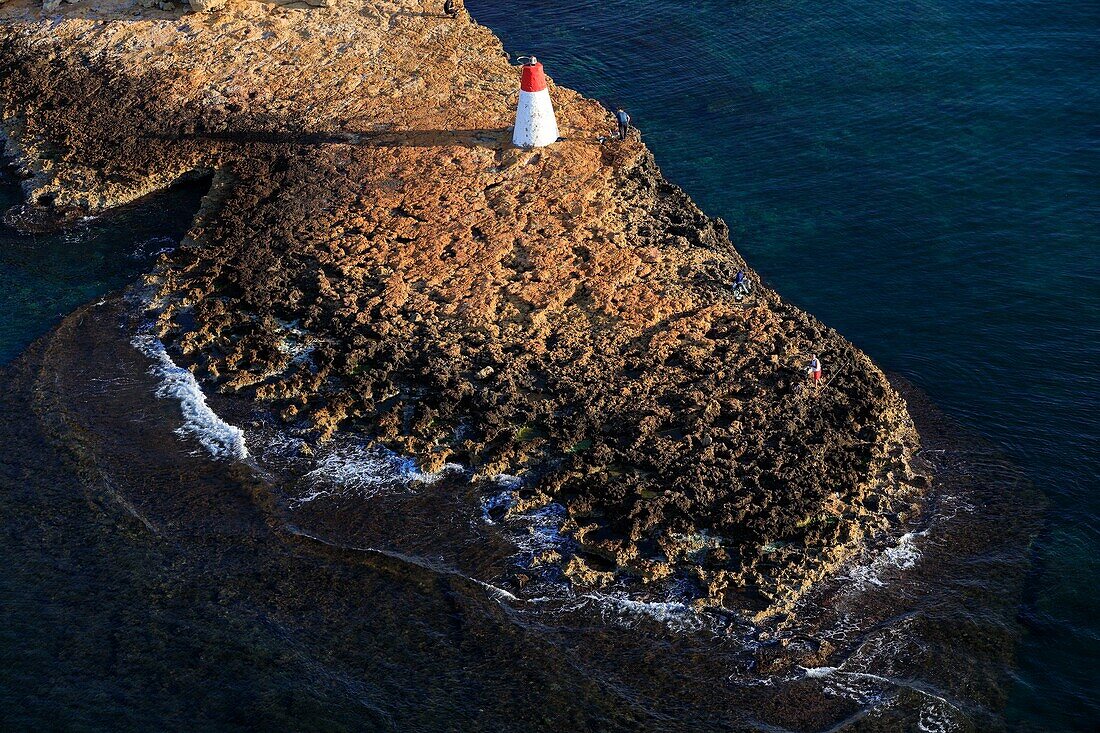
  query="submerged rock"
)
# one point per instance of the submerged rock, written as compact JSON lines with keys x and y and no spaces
{"x":563,"y":314}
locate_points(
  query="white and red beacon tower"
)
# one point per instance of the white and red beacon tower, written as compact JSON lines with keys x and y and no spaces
{"x":536,"y":125}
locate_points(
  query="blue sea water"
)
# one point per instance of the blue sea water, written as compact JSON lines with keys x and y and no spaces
{"x":44,"y":278}
{"x":923,"y":176}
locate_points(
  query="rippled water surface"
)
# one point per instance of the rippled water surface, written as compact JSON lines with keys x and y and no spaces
{"x":44,"y":277}
{"x":923,"y":176}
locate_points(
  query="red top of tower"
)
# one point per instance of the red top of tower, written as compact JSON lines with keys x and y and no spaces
{"x":533,"y":79}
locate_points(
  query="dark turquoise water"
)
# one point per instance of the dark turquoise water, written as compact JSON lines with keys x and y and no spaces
{"x":44,"y":278}
{"x":923,"y":176}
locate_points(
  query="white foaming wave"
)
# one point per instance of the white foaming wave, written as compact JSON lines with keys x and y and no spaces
{"x":497,"y":592}
{"x":220,"y":438}
{"x":902,"y":556}
{"x":365,"y":470}
{"x":276,"y":445}
{"x":874,"y":691}
{"x":818,"y":672}
{"x":505,"y":499}
{"x":543,"y":529}
{"x":863,"y":688}
{"x":540,"y":530}
{"x":502,"y":501}
{"x":674,"y":615}
{"x":507,"y":481}
{"x":935,"y":719}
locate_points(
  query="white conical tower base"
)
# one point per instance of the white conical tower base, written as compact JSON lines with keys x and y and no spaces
{"x":536,"y":125}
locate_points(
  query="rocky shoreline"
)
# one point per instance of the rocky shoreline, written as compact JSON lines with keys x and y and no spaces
{"x":373,"y":253}
{"x":140,"y":535}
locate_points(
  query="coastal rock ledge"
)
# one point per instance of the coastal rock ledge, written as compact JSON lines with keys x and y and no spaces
{"x":373,"y":253}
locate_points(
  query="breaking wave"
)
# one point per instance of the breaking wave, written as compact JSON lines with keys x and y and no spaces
{"x":220,"y":438}
{"x":674,"y":615}
{"x":902,"y":556}
{"x":364,"y":470}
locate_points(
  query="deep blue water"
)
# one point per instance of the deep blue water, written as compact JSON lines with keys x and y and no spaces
{"x":923,"y":176}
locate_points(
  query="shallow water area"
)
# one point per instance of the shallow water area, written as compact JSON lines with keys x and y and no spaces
{"x":443,"y":563}
{"x":44,"y":277}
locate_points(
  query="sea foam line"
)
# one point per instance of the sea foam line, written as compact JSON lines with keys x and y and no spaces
{"x":674,"y":615}
{"x":220,"y":438}
{"x":366,"y":469}
{"x":902,"y":556}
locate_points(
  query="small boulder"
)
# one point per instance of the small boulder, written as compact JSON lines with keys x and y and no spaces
{"x":207,"y":6}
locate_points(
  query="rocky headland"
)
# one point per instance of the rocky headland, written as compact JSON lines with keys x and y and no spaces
{"x":373,"y":253}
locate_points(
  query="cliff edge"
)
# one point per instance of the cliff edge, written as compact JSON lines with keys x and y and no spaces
{"x":374,"y":252}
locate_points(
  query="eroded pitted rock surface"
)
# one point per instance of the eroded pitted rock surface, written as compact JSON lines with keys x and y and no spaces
{"x":374,"y":253}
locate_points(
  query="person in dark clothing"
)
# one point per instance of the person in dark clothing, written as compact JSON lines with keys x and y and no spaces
{"x":451,"y":8}
{"x":624,"y":123}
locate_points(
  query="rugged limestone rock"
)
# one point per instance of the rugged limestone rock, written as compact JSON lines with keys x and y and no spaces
{"x":373,"y":252}
{"x":207,"y":6}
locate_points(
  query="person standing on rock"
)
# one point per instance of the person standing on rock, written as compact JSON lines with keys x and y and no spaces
{"x":624,"y":122}
{"x":742,"y":286}
{"x":815,"y":369}
{"x":451,"y":8}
